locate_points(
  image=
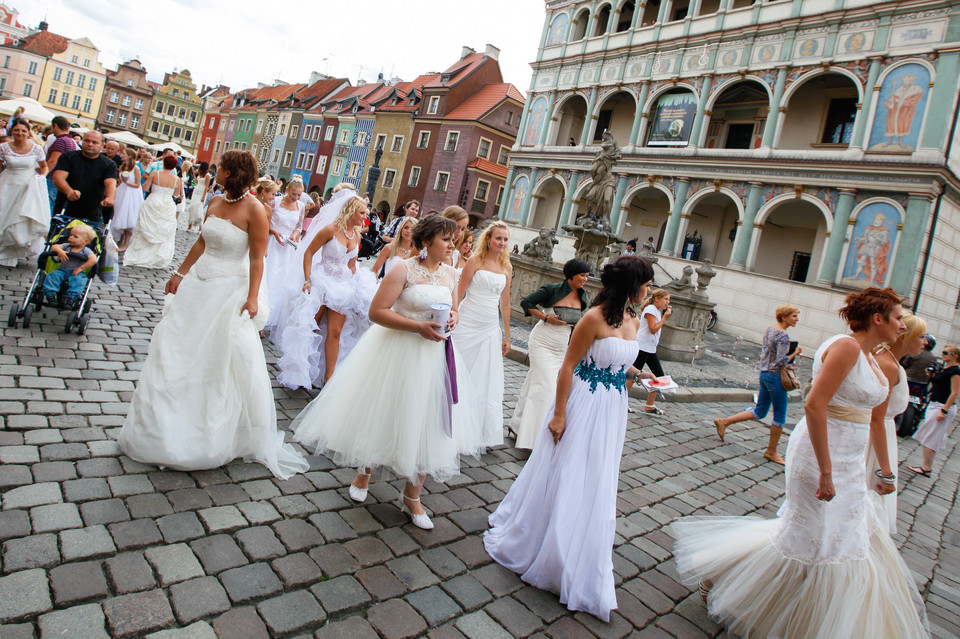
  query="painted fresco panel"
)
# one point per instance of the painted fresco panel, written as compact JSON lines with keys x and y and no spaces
{"x":558,"y":29}
{"x":535,"y":121}
{"x":520,"y":187}
{"x":871,"y":246}
{"x":900,"y":109}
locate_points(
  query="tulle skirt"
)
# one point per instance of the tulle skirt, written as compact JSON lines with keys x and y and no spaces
{"x":204,"y":396}
{"x":195,"y":208}
{"x":757,"y":592}
{"x":283,"y":275}
{"x":126,"y":209}
{"x":400,"y":427}
{"x":154,"y":235}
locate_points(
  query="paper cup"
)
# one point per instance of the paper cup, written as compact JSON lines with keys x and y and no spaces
{"x":441,"y":315}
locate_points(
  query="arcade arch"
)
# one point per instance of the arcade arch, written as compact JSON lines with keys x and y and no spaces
{"x":711,"y":223}
{"x":570,"y":116}
{"x":603,"y":21}
{"x":616,"y":114}
{"x":820,"y":112}
{"x":790,"y":238}
{"x":547,"y":203}
{"x":580,"y":23}
{"x":625,"y":17}
{"x":645,"y":214}
{"x":739,"y":114}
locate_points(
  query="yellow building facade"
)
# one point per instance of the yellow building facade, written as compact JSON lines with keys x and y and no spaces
{"x":73,"y":82}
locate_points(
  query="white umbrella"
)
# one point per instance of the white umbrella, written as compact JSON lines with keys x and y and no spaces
{"x":33,"y":110}
{"x":176,"y":148}
{"x":125,"y":137}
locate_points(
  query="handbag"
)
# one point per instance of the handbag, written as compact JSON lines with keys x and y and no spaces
{"x":789,"y":378}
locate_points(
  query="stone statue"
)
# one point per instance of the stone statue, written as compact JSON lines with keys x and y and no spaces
{"x":648,"y":252}
{"x":705,"y":273}
{"x":541,"y":247}
{"x":683,"y":284}
{"x":615,"y":251}
{"x":599,"y":195}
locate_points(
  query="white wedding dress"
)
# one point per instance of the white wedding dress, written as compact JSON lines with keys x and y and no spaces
{"x":24,"y":208}
{"x":126,"y":208}
{"x":478,"y":339}
{"x":155,"y":233}
{"x":410,"y":427}
{"x":887,"y":504}
{"x":204,"y":397}
{"x":197,"y":200}
{"x":556,"y":526}
{"x":820,"y":569}
{"x":282,"y":269}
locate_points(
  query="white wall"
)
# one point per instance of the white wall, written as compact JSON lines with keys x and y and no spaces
{"x":938,"y":298}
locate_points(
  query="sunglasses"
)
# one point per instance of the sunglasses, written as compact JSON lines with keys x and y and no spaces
{"x":946,"y":353}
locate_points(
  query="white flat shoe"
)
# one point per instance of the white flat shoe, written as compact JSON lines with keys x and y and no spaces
{"x":420,"y":521}
{"x":358,"y":494}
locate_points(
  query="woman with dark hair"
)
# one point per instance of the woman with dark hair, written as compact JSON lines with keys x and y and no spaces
{"x":24,"y":207}
{"x":559,"y":308}
{"x":409,"y":430}
{"x":155,"y":234}
{"x":204,"y":396}
{"x":556,"y":526}
{"x":824,"y":567}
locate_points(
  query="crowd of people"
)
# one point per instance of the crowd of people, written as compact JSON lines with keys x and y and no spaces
{"x":434,"y":313}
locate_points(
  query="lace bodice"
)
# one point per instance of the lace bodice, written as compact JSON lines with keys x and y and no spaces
{"x":334,"y":260}
{"x":226,"y":250}
{"x":423,"y":289}
{"x":861,"y":388}
{"x":284,"y":220}
{"x":17,"y":162}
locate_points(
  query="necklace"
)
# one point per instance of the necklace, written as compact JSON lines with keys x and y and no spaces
{"x":351,"y":236}
{"x":229,"y":201}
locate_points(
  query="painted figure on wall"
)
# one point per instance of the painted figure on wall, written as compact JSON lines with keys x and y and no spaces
{"x":874,"y":234}
{"x":519,"y":195}
{"x":557,"y":30}
{"x":538,"y":112}
{"x":900,"y":109}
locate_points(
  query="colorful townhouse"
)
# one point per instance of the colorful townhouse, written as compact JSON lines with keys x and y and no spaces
{"x":73,"y":78}
{"x":22,"y":70}
{"x":127,"y":99}
{"x":303,"y":148}
{"x":210,"y":100}
{"x":175,"y":112}
{"x":326,"y":113}
{"x":349,"y":149}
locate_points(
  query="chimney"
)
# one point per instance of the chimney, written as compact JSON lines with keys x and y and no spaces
{"x":43,"y":25}
{"x":465,"y":52}
{"x":492,"y":52}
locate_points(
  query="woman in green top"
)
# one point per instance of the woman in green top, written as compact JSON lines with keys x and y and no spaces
{"x":558,"y":307}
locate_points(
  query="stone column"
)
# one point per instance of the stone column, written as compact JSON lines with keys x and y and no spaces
{"x":526,"y":113}
{"x":616,"y":212}
{"x":770,"y":128}
{"x":941,"y":99}
{"x":638,"y":116}
{"x":911,"y":239}
{"x":551,"y":101}
{"x":525,"y":210}
{"x":741,"y":246}
{"x":543,"y":35}
{"x":586,"y":137}
{"x":507,"y":193}
{"x":701,"y":108}
{"x":568,"y":199}
{"x":863,"y":113}
{"x":841,"y":219}
{"x":673,"y":222}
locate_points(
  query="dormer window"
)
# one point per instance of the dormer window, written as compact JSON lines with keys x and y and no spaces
{"x":353,"y":110}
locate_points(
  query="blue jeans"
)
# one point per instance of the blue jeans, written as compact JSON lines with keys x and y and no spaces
{"x":51,"y":193}
{"x":76,"y":283}
{"x":771,"y":392}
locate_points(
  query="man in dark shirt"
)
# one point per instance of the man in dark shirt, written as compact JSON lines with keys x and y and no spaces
{"x":916,"y":365}
{"x":112,"y":150}
{"x":87,"y":178}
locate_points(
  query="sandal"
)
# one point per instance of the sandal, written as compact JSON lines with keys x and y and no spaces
{"x":631,"y":410}
{"x":721,"y":429}
{"x":653,"y":410}
{"x":776,"y":459}
{"x":919,"y":470}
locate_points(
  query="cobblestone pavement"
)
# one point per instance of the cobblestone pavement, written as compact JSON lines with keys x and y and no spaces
{"x":96,"y":545}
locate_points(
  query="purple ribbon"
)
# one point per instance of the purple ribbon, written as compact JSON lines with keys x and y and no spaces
{"x":451,"y":386}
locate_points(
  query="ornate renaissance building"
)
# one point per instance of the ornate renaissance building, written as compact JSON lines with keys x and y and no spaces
{"x":807,"y":148}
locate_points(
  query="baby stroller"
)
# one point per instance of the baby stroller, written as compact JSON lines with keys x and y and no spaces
{"x":78,"y":315}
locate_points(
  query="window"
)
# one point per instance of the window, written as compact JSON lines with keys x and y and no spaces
{"x":272,"y":128}
{"x":503,"y":157}
{"x":354,"y":169}
{"x":328,"y":134}
{"x":840,"y":117}
{"x":226,"y":147}
{"x":300,"y":158}
{"x":74,"y":59}
{"x":211,"y":122}
{"x":28,"y":90}
{"x":253,"y":149}
{"x":216,"y":146}
{"x":81,"y":80}
{"x":321,"y":164}
{"x":337,"y":166}
{"x":93,"y":84}
{"x":361,"y":139}
{"x":381,"y":141}
{"x":414,"y":176}
{"x":159,"y":107}
{"x":126,"y":101}
{"x":233,"y":124}
{"x":182,"y":113}
{"x":52,"y":97}
{"x":509,"y":117}
{"x":311,"y":158}
{"x":57,"y":74}
{"x":156,"y":127}
{"x":294,"y":130}
{"x":499,"y":195}
{"x":111,"y":116}
{"x":76,"y":99}
{"x":286,"y":158}
{"x":434,"y":105}
{"x":31,"y":68}
{"x":206,"y":144}
{"x":176,"y":93}
{"x":6,"y":62}
{"x":317,"y":130}
{"x":483,"y":187}
{"x":3,"y":83}
{"x":138,"y":105}
{"x":263,"y":154}
{"x":86,"y":62}
{"x":259,"y":126}
{"x":388,"y":177}
{"x":345,"y":136}
{"x":283,"y":129}
{"x":453,"y":138}
{"x":171,"y":109}
{"x":134,"y":121}
{"x":64,"y":99}
{"x":442,"y":179}
{"x":423,"y":140}
{"x":166,"y":129}
{"x":483,"y":149}
{"x":223,"y":125}
{"x":114,"y":97}
{"x":129,"y":83}
{"x":397,"y":145}
{"x":69,"y":78}
{"x":122,"y":119}
{"x":87,"y":105}
{"x":276,"y":156}
{"x":307,"y":132}
{"x":177,"y":132}
{"x":186,"y":95}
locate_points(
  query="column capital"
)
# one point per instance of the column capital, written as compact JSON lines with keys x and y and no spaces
{"x":683,"y":178}
{"x":757,"y":184}
{"x":916,"y":195}
{"x":847,"y":190}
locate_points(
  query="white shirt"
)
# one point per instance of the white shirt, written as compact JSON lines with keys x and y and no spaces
{"x":648,"y":341}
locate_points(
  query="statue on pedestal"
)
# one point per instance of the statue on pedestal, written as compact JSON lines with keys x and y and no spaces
{"x":541,"y":247}
{"x":684,"y":283}
{"x":600,"y":194}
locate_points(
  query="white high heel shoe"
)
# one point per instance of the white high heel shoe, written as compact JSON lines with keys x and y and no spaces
{"x":358,"y":494}
{"x":421,"y":520}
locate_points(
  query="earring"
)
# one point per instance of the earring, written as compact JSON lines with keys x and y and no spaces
{"x":423,"y":253}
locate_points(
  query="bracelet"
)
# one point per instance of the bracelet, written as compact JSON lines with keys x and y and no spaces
{"x":177,"y":274}
{"x":636,"y":378}
{"x":305,"y":282}
{"x":887,"y":479}
{"x":944,"y":410}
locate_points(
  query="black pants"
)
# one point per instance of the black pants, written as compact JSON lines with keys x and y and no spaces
{"x":651,"y":360}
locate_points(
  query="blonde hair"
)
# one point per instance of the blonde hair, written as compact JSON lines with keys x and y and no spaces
{"x":467,"y":233}
{"x":186,"y":166}
{"x":653,"y":296}
{"x":916,"y":326}
{"x":482,"y":245}
{"x":296,"y":180}
{"x":786,"y":310}
{"x":343,"y":185}
{"x":350,"y":207}
{"x":454,"y":213}
{"x":395,"y":242}
{"x":86,"y":230}
{"x":266,"y":185}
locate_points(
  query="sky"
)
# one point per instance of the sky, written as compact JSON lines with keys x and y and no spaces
{"x":221,"y":44}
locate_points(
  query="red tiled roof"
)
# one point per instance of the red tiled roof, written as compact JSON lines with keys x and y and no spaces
{"x":405,"y":90}
{"x":154,"y":85}
{"x":45,"y":43}
{"x":489,"y":167}
{"x":480,"y":103}
{"x":457,"y":71}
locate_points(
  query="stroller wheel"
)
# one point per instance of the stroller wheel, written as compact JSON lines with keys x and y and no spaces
{"x":12,"y":318}
{"x":27,"y":314}
{"x":84,"y":320}
{"x":71,"y":319}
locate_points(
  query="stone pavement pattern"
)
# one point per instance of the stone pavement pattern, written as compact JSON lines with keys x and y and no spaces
{"x":97,"y":545}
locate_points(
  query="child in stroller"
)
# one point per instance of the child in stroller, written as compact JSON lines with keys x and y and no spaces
{"x":74,"y":258}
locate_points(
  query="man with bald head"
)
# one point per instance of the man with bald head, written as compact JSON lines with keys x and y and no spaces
{"x":88,"y":179}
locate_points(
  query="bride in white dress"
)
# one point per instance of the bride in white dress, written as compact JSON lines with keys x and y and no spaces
{"x":400,"y":248}
{"x":128,"y":201}
{"x":195,"y":206}
{"x":826,"y":566}
{"x":24,"y":208}
{"x":485,"y":291}
{"x":204,"y":396}
{"x":556,"y":526}
{"x":282,"y":269}
{"x":155,"y":234}
{"x":410,"y":429}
